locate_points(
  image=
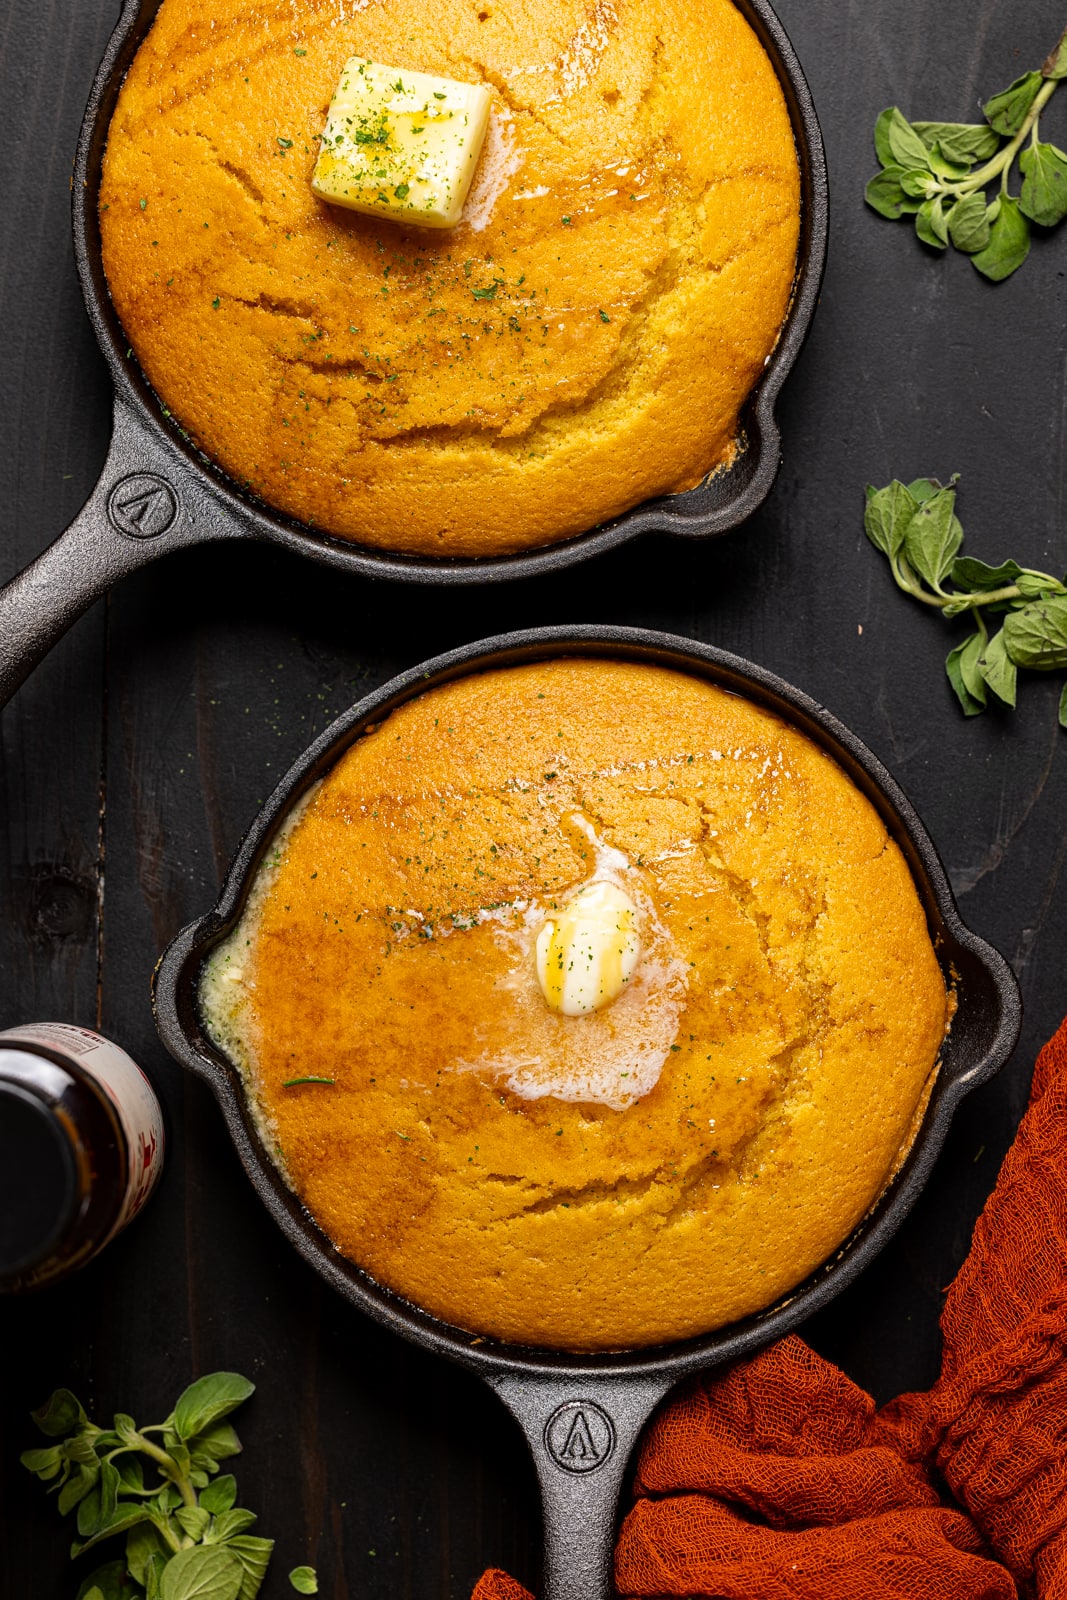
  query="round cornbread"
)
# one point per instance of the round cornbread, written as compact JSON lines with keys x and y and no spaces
{"x":654,"y":1170}
{"x":582,"y":342}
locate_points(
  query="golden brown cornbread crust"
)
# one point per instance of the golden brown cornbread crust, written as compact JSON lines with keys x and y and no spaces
{"x":812,"y":1020}
{"x":475,"y":392}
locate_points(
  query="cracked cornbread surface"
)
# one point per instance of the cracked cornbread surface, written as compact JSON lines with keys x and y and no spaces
{"x":470,"y":1153}
{"x":584,"y":339}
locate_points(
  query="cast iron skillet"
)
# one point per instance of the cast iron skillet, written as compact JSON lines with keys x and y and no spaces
{"x":581,"y":1415}
{"x":158,"y":493}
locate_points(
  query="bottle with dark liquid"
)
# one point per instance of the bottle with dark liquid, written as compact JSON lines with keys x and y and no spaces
{"x":81,"y":1149}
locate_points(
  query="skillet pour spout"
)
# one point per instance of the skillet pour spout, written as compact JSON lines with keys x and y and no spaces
{"x":582,"y":1414}
{"x":158,"y":493}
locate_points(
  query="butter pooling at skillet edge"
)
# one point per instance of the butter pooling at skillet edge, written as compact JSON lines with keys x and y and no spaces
{"x":583,"y":341}
{"x":482,"y":1154}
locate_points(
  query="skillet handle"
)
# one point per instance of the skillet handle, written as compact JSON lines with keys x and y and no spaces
{"x":143,"y":506}
{"x":581,"y":1430}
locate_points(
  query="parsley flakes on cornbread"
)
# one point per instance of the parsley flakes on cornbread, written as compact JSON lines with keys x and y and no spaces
{"x":581,"y":341}
{"x":633,"y":1172}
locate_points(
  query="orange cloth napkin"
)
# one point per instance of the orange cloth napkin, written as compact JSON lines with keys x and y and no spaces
{"x":779,"y":1480}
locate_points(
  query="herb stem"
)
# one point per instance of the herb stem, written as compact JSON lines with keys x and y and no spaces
{"x":907,"y":581}
{"x":1001,"y":163}
{"x":988,"y":597}
{"x":167,"y":1533}
{"x":169,"y":1469}
{"x":160,"y":1457}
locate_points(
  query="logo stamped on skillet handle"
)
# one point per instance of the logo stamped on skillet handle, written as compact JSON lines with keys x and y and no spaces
{"x":580,"y":1436}
{"x":142,"y":506}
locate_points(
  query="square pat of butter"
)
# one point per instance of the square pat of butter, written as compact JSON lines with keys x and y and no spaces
{"x":401,"y":144}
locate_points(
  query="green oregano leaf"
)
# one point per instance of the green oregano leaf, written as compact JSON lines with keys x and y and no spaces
{"x":220,"y":1495}
{"x":917,"y":183}
{"x":1037,"y":586}
{"x":78,"y":1485}
{"x":968,"y":225}
{"x":142,"y":1543}
{"x":1009,"y":243}
{"x":1063,"y":707}
{"x":60,"y":1414}
{"x":90,"y":1514}
{"x":969,"y":686}
{"x":254,"y":1555}
{"x":125,"y":1427}
{"x":1036,"y":635}
{"x":215,"y":1444}
{"x":1007,"y":111}
{"x":1044,"y":193}
{"x":131,"y":1474}
{"x":228,"y":1524}
{"x":304,"y":1580}
{"x":930,"y":224}
{"x":961,"y":142}
{"x":970,"y":666}
{"x":154,"y":1571}
{"x":888,"y":513}
{"x":109,"y":1582}
{"x":970,"y":573}
{"x":126,"y":1515}
{"x":998,"y":669}
{"x":908,"y":149}
{"x":885,"y":194}
{"x":1056,"y":65}
{"x":203,"y":1572}
{"x":952,"y":170}
{"x":193,"y":1520}
{"x":933,"y":537}
{"x":209,"y":1400}
{"x":45,"y":1463}
{"x":881,"y":137}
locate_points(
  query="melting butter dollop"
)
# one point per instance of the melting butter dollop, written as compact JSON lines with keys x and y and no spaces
{"x":588,"y":952}
{"x":401,"y":143}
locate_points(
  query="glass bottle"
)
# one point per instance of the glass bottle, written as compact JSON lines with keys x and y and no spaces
{"x":81,"y":1149}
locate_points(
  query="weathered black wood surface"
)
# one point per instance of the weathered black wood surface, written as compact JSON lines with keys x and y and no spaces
{"x":135,"y":756}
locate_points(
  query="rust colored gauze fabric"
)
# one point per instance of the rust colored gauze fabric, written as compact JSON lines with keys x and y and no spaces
{"x":779,"y":1480}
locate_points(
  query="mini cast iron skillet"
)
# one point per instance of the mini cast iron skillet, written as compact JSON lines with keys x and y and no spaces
{"x":581,"y":1414}
{"x":159,"y":493}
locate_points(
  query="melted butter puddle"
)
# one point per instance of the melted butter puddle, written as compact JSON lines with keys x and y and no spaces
{"x":600,"y":1032}
{"x":500,"y":160}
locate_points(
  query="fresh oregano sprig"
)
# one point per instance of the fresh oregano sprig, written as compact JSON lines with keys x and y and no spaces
{"x":186,"y":1539}
{"x":940,"y":172}
{"x":915,"y":526}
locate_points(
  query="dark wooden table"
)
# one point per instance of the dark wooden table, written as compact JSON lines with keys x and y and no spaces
{"x":135,"y":756}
